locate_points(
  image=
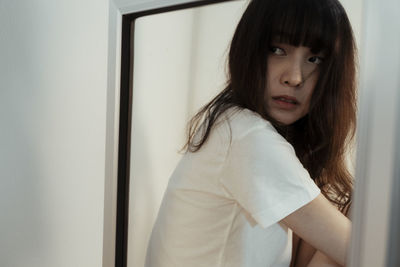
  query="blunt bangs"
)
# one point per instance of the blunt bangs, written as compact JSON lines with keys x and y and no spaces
{"x":310,"y":23}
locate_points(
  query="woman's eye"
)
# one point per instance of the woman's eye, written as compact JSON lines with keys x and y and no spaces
{"x":316,"y":60}
{"x":277,"y":51}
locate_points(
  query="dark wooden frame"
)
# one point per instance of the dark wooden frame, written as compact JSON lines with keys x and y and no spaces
{"x":125,"y":117}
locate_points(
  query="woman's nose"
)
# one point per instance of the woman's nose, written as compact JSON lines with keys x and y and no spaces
{"x":293,"y":75}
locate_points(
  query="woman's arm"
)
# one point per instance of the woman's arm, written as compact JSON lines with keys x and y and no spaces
{"x":304,"y":254}
{"x":321,"y":225}
{"x":321,"y":260}
{"x":310,"y":257}
{"x":295,"y":248}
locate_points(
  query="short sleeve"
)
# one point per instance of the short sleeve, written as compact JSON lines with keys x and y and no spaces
{"x":263,"y":174}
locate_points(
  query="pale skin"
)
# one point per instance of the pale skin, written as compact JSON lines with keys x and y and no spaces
{"x":324,"y":228}
{"x":303,"y":254}
{"x":292,"y":73}
{"x":325,"y":231}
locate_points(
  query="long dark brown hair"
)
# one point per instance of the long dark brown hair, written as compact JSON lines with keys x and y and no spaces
{"x":320,"y":138}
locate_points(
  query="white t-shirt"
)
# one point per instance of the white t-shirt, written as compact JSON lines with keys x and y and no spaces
{"x":224,"y":203}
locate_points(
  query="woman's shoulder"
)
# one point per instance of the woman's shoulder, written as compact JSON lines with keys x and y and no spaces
{"x":241,"y":122}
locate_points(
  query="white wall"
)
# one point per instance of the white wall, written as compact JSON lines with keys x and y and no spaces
{"x":53,"y":85}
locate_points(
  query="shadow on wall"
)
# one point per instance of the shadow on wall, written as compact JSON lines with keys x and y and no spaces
{"x":23,"y":224}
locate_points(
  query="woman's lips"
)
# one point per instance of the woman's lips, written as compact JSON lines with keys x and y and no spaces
{"x":285,"y":102}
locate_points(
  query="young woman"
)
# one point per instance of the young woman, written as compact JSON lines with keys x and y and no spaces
{"x":266,"y":157}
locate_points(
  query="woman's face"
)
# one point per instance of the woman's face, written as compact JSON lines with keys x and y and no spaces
{"x":291,"y":77}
